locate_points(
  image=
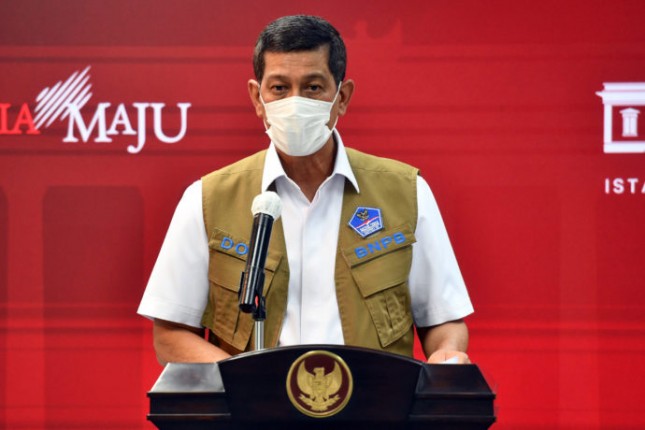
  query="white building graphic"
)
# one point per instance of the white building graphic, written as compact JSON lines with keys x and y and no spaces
{"x":630,"y":122}
{"x":625,"y":94}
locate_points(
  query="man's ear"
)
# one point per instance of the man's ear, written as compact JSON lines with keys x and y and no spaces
{"x":345,"y":96}
{"x":254,"y":92}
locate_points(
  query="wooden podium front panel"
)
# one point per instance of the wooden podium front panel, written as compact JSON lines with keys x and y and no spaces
{"x":389,"y":391}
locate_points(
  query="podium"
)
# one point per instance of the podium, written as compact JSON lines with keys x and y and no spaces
{"x":320,"y":387}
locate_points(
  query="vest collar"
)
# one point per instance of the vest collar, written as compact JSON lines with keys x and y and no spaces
{"x":273,"y":168}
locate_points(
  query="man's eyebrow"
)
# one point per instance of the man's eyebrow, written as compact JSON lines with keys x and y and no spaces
{"x":308,"y":77}
{"x":278,"y":77}
{"x":315,"y":75}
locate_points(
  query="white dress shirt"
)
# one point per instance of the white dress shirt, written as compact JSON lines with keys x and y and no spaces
{"x":178,"y":286}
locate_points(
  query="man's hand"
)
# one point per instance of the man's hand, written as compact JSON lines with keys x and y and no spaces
{"x":447,"y":341}
{"x":452,"y":357}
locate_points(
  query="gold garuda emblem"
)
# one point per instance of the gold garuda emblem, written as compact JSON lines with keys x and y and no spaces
{"x":319,"y":384}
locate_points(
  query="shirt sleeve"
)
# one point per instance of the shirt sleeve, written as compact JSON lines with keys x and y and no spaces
{"x":177,"y":290}
{"x":437,"y":289}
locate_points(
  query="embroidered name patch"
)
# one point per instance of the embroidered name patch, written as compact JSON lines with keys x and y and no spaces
{"x":379,"y":245}
{"x":239,"y":248}
{"x":366,"y":221}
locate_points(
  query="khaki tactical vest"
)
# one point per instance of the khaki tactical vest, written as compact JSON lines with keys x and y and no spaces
{"x":371,"y":273}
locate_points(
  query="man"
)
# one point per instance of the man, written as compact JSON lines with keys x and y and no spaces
{"x":359,"y":252}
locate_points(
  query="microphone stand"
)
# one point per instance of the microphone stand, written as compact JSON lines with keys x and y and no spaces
{"x":259,"y":315}
{"x":251,"y":293}
{"x":253,"y":301}
{"x":266,"y":209}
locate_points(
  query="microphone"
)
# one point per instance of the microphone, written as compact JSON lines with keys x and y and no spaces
{"x":266,"y":209}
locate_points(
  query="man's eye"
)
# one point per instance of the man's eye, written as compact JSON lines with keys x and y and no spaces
{"x":315,"y":88}
{"x":279,"y":88}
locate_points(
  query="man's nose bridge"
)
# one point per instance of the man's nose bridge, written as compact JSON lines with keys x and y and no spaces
{"x":295,"y":91}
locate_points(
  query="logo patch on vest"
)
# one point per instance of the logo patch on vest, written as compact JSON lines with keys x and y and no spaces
{"x":366,"y":221}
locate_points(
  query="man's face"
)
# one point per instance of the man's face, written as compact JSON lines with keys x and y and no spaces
{"x":304,"y":74}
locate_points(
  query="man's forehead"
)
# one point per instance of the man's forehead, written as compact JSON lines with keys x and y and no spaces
{"x":300,"y":64}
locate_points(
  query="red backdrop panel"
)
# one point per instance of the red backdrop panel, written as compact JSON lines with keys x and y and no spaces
{"x":3,"y":295}
{"x":93,"y":244}
{"x":494,"y":101}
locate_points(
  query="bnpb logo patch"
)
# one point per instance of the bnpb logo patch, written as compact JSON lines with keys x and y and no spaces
{"x":366,"y":221}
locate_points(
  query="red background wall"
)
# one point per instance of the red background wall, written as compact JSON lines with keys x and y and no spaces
{"x":494,"y":101}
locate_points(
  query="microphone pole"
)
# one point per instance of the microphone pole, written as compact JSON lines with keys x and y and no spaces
{"x":266,"y":209}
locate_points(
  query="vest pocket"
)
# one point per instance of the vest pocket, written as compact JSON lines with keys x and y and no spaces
{"x":225,"y":268}
{"x":227,"y":322}
{"x":382,"y":281}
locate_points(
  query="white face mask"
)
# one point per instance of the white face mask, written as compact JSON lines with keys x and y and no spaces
{"x":298,"y":125}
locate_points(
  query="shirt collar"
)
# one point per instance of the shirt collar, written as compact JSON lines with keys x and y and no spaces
{"x":273,"y":168}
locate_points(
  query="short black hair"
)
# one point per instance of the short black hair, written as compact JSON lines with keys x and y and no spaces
{"x":301,"y":33}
